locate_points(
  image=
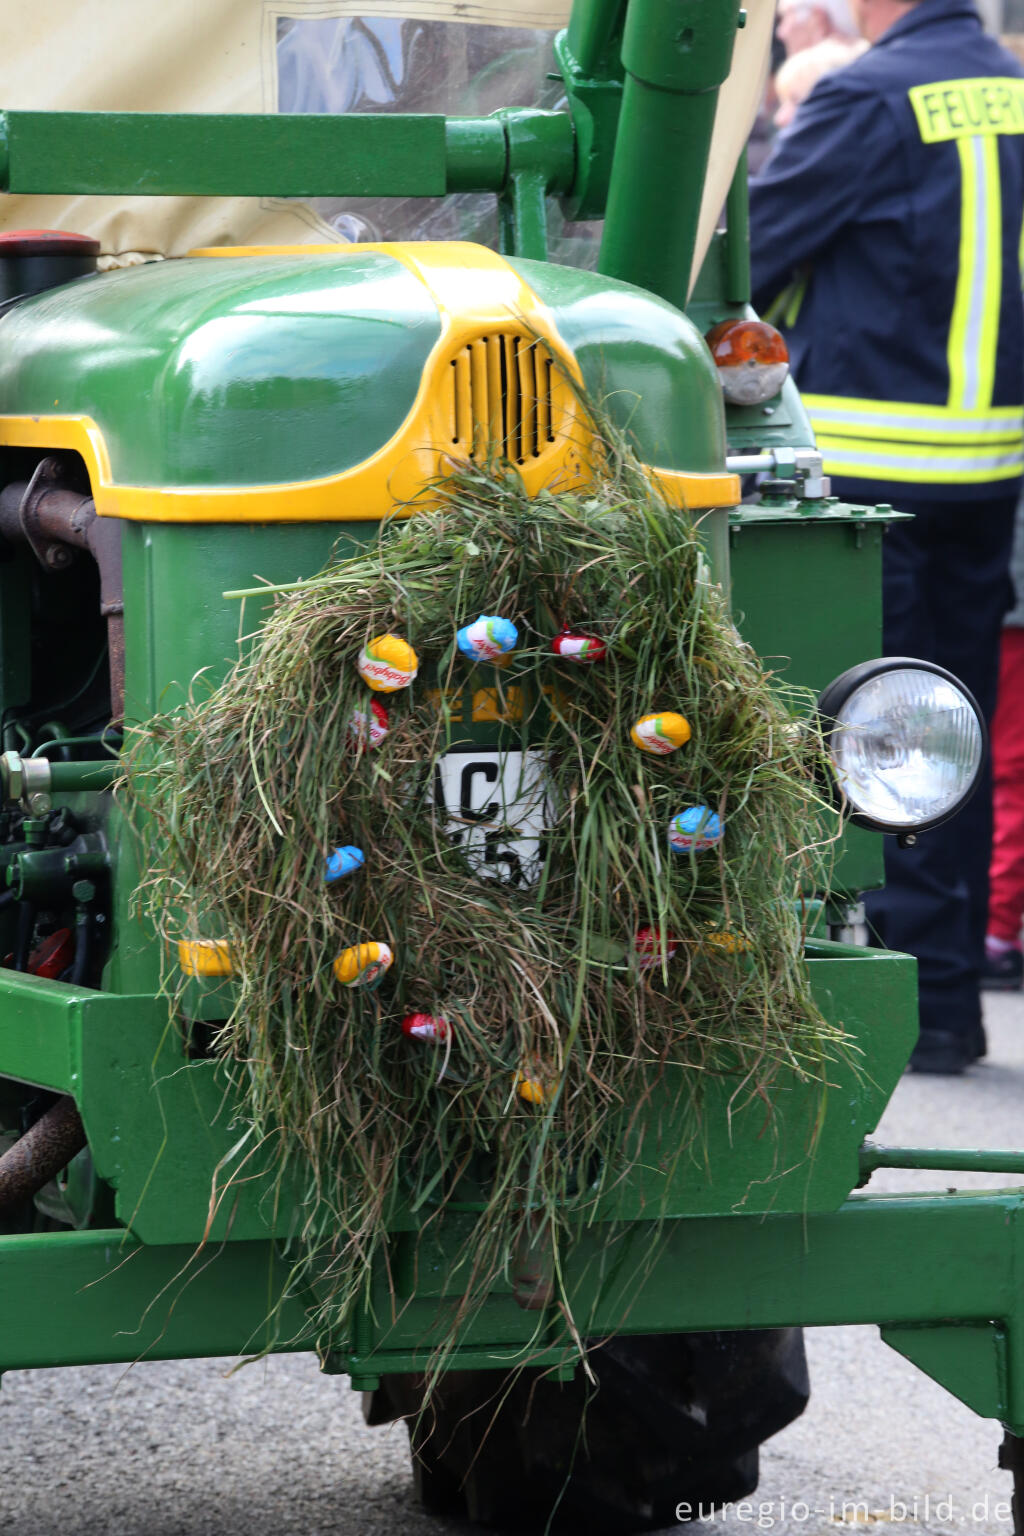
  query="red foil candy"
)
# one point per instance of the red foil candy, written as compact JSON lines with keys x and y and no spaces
{"x":426,"y":1026}
{"x":368,"y":727}
{"x":572,"y":646}
{"x":649,"y":949}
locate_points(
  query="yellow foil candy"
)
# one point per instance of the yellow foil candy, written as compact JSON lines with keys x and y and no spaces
{"x":535,"y":1084}
{"x":530,"y":1090}
{"x":363,"y":965}
{"x":205,"y":957}
{"x":388,"y":663}
{"x":661,"y":734}
{"x":731,"y":943}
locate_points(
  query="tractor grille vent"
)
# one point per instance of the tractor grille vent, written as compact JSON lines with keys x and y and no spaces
{"x":502,"y":397}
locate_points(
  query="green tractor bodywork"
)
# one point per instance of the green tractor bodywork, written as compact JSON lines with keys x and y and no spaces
{"x":221,"y":412}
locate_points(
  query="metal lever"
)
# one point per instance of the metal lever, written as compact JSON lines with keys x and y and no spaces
{"x":801,"y":465}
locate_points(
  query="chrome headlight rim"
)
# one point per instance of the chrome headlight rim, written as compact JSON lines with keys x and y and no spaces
{"x":831,"y":701}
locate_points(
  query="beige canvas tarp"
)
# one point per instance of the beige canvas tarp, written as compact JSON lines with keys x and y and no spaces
{"x":222,"y":56}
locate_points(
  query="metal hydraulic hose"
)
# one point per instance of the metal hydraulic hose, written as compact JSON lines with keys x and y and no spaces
{"x":83,"y":950}
{"x":23,"y":938}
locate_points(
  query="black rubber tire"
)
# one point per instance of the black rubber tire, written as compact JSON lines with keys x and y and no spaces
{"x":674,"y":1420}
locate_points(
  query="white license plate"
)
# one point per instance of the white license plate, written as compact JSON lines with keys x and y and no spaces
{"x":496,"y":806}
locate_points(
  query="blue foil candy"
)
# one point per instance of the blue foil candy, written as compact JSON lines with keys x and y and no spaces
{"x":695,"y":830}
{"x":489,"y":636}
{"x":342,"y":862}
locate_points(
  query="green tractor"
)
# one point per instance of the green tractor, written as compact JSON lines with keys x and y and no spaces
{"x":185,"y":430}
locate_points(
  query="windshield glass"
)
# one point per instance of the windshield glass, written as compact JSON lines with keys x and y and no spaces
{"x":348,"y":63}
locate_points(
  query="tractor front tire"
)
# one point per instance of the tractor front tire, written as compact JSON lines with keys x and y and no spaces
{"x":674,"y":1420}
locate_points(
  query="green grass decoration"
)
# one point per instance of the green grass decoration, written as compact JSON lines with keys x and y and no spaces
{"x":247,"y":788}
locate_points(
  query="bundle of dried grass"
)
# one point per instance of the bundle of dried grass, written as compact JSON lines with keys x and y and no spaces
{"x":246,"y":790}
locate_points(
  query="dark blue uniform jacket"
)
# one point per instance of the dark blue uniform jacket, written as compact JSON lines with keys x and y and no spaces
{"x":886,"y":236}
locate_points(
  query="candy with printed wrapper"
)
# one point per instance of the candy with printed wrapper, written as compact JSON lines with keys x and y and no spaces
{"x":649,"y":947}
{"x":535,"y":1083}
{"x":487,"y":637}
{"x":387,"y":663}
{"x":368,"y":727}
{"x":364,"y":965}
{"x":695,"y":830}
{"x":531,"y":1090}
{"x":426,"y":1026}
{"x":573,"y":646}
{"x":727,"y":941}
{"x":343,"y":861}
{"x":661,"y":733}
{"x":206,"y":957}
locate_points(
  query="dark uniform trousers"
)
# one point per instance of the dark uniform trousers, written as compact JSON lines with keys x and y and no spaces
{"x":946,"y":588}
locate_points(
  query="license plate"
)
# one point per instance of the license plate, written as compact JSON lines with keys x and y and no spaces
{"x":497,"y":807}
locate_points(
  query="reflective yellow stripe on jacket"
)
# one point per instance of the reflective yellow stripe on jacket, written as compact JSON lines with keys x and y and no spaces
{"x":974,"y":329}
{"x":966,"y":441}
{"x":900,"y":440}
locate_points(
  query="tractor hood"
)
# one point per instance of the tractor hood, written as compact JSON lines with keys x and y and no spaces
{"x":332,"y":383}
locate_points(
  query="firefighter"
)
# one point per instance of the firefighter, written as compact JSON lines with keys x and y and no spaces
{"x":886,"y":233}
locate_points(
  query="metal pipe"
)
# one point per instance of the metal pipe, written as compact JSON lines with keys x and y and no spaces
{"x":939,"y":1159}
{"x":750,"y":463}
{"x":737,"y":236}
{"x":676,"y":54}
{"x":476,"y":154}
{"x":30,"y":781}
{"x":592,"y":26}
{"x":39,"y":1155}
{"x":69,"y":778}
{"x":49,"y":516}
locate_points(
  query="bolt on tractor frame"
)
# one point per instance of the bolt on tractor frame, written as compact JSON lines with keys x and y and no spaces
{"x":128,"y":1160}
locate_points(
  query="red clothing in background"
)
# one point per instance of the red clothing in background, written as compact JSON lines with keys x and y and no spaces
{"x":1006,"y":877}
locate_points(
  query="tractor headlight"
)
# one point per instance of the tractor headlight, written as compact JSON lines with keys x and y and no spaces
{"x":907,"y":742}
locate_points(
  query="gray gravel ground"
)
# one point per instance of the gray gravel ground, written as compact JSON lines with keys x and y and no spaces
{"x":278,"y":1450}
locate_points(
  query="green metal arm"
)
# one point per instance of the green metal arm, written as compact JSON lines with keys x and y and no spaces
{"x":262,"y":155}
{"x":522,"y":155}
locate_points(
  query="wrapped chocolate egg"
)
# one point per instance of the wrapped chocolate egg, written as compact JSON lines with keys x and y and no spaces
{"x":695,"y":830}
{"x":585,"y":649}
{"x":535,"y":1083}
{"x":648,"y":947}
{"x":387,"y":663}
{"x":343,"y":861}
{"x":205,"y":957}
{"x":426,"y":1026}
{"x":531,"y":1090}
{"x":368,"y":727}
{"x":726,"y":940}
{"x":363,"y":965}
{"x":487,"y":637}
{"x":661,"y":733}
